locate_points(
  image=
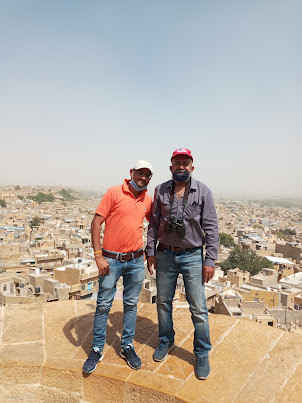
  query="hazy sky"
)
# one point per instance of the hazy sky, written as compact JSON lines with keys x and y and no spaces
{"x":88,"y":87}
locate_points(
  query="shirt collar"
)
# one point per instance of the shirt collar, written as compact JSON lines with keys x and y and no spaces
{"x":192,"y":187}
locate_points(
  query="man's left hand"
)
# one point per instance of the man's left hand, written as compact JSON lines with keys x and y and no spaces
{"x":207,"y":273}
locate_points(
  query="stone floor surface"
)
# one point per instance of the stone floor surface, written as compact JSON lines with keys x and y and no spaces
{"x":43,"y":347}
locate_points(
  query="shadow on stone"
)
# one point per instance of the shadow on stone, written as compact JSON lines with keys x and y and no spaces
{"x":79,"y":331}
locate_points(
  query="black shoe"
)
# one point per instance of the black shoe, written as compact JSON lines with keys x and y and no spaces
{"x":162,"y":350}
{"x":92,"y":361}
{"x":131,"y":357}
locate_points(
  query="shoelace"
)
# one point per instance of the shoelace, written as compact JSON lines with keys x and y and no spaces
{"x":163,"y":346}
{"x":130,"y":351}
{"x":201,"y":361}
{"x":94,"y":355}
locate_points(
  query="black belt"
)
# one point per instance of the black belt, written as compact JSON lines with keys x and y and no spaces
{"x":123,"y":257}
{"x":161,"y":246}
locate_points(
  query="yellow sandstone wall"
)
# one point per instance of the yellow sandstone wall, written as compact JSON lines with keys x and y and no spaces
{"x":43,"y":347}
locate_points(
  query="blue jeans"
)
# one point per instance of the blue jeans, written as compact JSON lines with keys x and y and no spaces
{"x":133,"y":273}
{"x":189,"y":264}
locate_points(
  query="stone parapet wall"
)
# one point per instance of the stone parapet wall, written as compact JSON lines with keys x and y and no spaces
{"x":43,"y":347}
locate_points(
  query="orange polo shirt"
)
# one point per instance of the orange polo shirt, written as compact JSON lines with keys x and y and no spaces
{"x":124,"y":218}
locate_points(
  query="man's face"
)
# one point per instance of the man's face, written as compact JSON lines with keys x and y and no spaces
{"x":181,"y":163}
{"x":141,"y":176}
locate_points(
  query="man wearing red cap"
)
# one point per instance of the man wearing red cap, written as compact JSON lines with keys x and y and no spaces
{"x":182,"y":221}
{"x":123,"y":209}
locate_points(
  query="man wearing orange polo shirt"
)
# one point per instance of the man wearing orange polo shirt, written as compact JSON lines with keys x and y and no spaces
{"x":123,"y":209}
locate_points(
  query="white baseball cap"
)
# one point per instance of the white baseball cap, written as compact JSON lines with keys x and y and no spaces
{"x":143,"y":164}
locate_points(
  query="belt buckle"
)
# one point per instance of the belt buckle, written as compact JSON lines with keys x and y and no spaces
{"x":122,"y":258}
{"x":126,"y":257}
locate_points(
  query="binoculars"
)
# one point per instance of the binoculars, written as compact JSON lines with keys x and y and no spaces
{"x":175,"y":226}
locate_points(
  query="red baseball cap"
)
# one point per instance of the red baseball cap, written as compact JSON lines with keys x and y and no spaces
{"x":182,"y":151}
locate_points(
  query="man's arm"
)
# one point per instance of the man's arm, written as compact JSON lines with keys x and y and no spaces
{"x":210,"y":227}
{"x":152,"y":232}
{"x":101,"y":262}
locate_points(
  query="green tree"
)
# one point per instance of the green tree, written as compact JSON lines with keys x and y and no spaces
{"x":226,"y":240}
{"x":42,"y":197}
{"x":258,"y":226}
{"x":67,"y":195}
{"x":246,"y":260}
{"x":36,"y":221}
{"x":2,"y":203}
{"x":283,"y":233}
{"x":20,"y":197}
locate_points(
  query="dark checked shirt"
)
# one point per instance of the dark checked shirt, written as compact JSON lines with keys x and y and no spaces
{"x":199,"y":216}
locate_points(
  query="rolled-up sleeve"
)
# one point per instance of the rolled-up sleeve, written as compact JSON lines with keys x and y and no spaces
{"x":209,"y":224}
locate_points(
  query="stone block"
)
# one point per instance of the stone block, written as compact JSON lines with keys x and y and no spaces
{"x":20,"y":375}
{"x":98,"y":389}
{"x":27,"y":355}
{"x":139,"y":394}
{"x":118,"y":372}
{"x":51,"y":395}
{"x":24,"y":319}
{"x":156,"y":382}
{"x":64,"y":374}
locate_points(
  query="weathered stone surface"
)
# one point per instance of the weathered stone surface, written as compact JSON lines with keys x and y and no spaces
{"x":20,"y":375}
{"x":138,"y":394}
{"x":1,"y":322}
{"x":20,"y":393}
{"x":181,"y":360}
{"x":16,"y":355}
{"x":18,"y":318}
{"x":41,"y":359}
{"x":99,"y":389}
{"x":60,"y":328}
{"x":292,"y":389}
{"x":275,"y":369}
{"x":232,"y":362}
{"x":155,"y":381}
{"x":63,"y":375}
{"x":113,"y":371}
{"x":54,"y":395}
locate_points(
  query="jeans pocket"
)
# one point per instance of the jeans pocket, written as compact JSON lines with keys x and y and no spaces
{"x":111,"y":261}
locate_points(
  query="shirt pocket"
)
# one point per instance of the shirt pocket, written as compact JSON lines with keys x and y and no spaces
{"x":193,"y":211}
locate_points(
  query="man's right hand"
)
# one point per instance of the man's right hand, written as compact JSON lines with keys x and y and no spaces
{"x":151,"y":262}
{"x":102,"y":265}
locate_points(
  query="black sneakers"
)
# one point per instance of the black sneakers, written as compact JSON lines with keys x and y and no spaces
{"x":129,"y":354}
{"x":92,"y":361}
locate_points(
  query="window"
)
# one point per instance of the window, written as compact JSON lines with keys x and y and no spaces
{"x":94,"y":284}
{"x":83,"y":287}
{"x":4,"y":287}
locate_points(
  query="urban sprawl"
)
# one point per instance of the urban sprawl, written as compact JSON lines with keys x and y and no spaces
{"x":46,"y":255}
